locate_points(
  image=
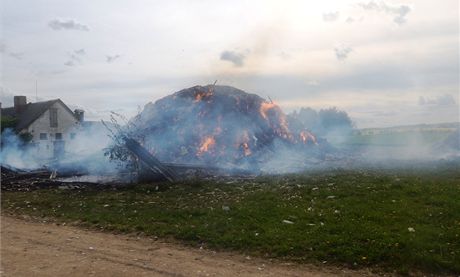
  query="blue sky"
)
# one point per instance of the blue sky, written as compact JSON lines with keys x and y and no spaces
{"x":384,"y":62}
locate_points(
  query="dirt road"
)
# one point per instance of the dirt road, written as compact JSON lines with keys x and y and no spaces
{"x":31,"y":248}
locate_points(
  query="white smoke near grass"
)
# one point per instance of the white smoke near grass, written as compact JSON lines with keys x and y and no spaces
{"x":411,"y":144}
{"x":87,"y":150}
{"x":84,"y":153}
{"x":388,"y":146}
{"x":16,"y":153}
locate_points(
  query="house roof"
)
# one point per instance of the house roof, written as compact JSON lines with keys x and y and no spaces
{"x":31,"y":112}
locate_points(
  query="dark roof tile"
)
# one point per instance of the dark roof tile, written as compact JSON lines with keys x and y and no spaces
{"x":31,"y":112}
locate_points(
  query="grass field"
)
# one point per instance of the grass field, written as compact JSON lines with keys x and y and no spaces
{"x":426,"y":138}
{"x":391,"y":220}
{"x":424,"y":135}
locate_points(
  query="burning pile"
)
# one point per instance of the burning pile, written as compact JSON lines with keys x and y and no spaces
{"x":216,"y":125}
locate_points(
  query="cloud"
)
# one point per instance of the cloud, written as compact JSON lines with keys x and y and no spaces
{"x":234,"y":57}
{"x":350,"y":20}
{"x":330,"y":17}
{"x":442,"y":100}
{"x":75,"y":57}
{"x":313,"y":83}
{"x":398,"y":12}
{"x":285,"y":56}
{"x":6,"y":97}
{"x":16,"y":55}
{"x":69,"y":63}
{"x":342,"y":52}
{"x":80,"y":51}
{"x":2,"y":47}
{"x":67,"y":24}
{"x":111,"y":59}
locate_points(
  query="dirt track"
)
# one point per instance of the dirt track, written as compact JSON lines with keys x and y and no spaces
{"x":45,"y":249}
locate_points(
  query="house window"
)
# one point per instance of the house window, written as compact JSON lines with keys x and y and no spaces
{"x":53,"y":117}
{"x":72,"y":135}
{"x":43,"y":136}
{"x":58,"y":136}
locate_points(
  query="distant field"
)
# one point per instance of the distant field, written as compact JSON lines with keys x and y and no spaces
{"x":398,"y":138}
{"x":424,"y":134}
{"x":394,"y":220}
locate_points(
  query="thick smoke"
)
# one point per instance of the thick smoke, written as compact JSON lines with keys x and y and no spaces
{"x":408,"y":144}
{"x":15,"y":152}
{"x":383,"y":146}
{"x":87,"y":150}
{"x":84,"y":153}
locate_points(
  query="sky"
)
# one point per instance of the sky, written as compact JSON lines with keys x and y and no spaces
{"x":386,"y":62}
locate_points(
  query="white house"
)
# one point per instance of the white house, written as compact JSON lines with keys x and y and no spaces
{"x":49,"y":124}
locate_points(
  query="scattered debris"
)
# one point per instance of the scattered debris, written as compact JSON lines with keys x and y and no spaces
{"x":13,"y":179}
{"x":149,"y":160}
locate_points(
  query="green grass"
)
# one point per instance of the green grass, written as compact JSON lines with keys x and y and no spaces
{"x":352,"y":218}
{"x":398,"y":138}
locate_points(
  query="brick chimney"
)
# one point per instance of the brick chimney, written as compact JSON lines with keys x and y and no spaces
{"x":20,"y":103}
{"x":80,"y":115}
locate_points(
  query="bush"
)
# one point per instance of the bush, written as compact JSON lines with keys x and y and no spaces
{"x":324,"y":121}
{"x":8,"y":122}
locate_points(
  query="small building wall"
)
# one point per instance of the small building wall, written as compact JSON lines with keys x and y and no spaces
{"x":67,"y":125}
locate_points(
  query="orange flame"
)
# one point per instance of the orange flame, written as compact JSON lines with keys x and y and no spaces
{"x":206,"y":144}
{"x":306,"y":136}
{"x":245,"y":144}
{"x":265,"y":107}
{"x":281,"y":126}
{"x":203,"y":94}
{"x":246,"y":149}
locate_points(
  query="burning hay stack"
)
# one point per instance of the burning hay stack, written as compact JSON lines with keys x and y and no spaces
{"x":218,"y":125}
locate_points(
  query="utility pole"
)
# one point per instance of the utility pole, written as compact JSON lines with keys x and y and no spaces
{"x":36,"y":90}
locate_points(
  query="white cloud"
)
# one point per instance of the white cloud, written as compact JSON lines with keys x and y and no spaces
{"x":441,"y":100}
{"x":330,"y":17}
{"x":234,"y":57}
{"x":80,"y":51}
{"x":67,"y":24}
{"x":111,"y":59}
{"x":16,"y":55}
{"x":350,"y":20}
{"x":180,"y":43}
{"x":399,"y":12}
{"x":342,"y":52}
{"x":2,"y":47}
{"x":75,"y":57}
{"x":69,"y":63}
